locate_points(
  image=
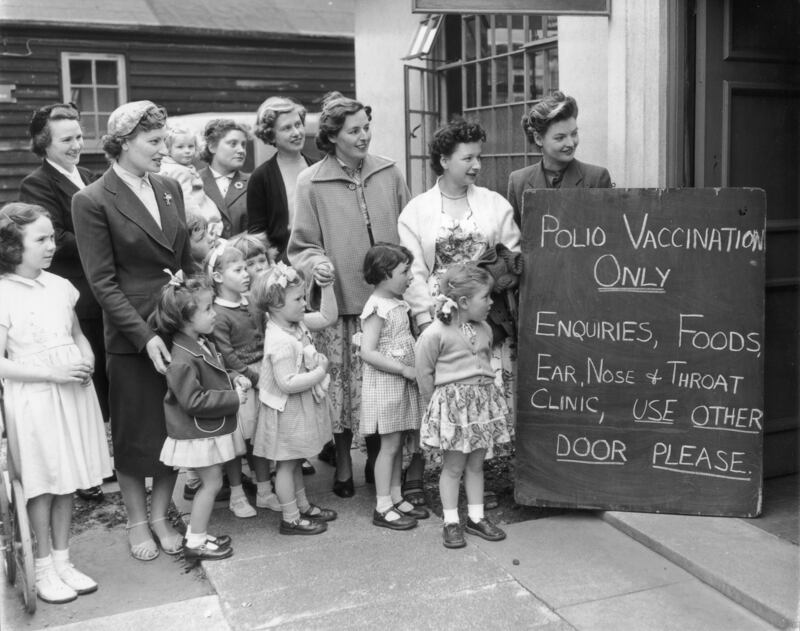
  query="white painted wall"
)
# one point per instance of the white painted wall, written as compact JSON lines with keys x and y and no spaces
{"x":383,"y":32}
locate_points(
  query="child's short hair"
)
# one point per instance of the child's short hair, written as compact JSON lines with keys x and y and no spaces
{"x":251,"y":245}
{"x":382,"y":258}
{"x":219,"y":257}
{"x":13,"y":219}
{"x":268,"y":291}
{"x":174,"y":132}
{"x":177,"y":303}
{"x":462,"y":280}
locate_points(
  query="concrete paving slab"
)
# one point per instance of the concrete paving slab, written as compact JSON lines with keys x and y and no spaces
{"x":500,"y":606}
{"x":197,"y":613}
{"x":125,"y":583}
{"x":337,"y":576}
{"x":685,"y":606}
{"x":754,"y":568}
{"x":575,"y":558}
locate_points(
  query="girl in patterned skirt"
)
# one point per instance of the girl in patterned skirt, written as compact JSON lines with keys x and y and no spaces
{"x":390,"y":403}
{"x":467,"y":413}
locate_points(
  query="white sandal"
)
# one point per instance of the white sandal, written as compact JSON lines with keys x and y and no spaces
{"x":163,"y":543}
{"x":144,"y":551}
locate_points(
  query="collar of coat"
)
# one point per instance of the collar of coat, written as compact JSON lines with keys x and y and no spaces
{"x":191,"y":346}
{"x":329,"y":169}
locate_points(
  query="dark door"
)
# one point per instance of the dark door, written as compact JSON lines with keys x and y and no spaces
{"x":747,"y":123}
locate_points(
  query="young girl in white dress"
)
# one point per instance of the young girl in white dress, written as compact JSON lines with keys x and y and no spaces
{"x":390,"y":401}
{"x":467,"y":416}
{"x":294,"y":420}
{"x":200,"y":405}
{"x":55,"y":427}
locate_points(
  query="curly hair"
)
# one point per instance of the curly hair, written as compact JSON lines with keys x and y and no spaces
{"x":447,"y":138}
{"x":215,"y":130}
{"x":154,"y":118}
{"x":177,"y":305}
{"x":462,"y":280}
{"x":381,"y":260}
{"x":269,"y":112}
{"x":551,"y":109}
{"x":174,"y":132}
{"x":219,"y":257}
{"x":39,"y":128}
{"x":266,"y":295}
{"x":13,"y":219}
{"x":335,"y":110}
{"x":251,"y":245}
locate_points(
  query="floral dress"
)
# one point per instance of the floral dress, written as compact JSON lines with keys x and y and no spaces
{"x":460,"y":241}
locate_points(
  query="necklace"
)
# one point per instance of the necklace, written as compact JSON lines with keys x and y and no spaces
{"x":446,"y":196}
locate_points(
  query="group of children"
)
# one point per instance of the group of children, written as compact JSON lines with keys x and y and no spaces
{"x":246,"y":379}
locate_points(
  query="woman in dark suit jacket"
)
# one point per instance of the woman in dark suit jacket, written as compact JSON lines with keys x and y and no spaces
{"x":280,"y":122}
{"x":130,"y":225}
{"x":225,"y":152}
{"x":551,"y":124}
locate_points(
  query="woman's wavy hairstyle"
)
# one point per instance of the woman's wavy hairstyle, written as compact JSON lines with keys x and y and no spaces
{"x":268,"y":115}
{"x":154,"y":118}
{"x":551,"y":109}
{"x":177,"y":304}
{"x":448,"y":137}
{"x":13,"y":219}
{"x":39,"y":128}
{"x":266,"y":294}
{"x":215,"y":130}
{"x":462,"y":280}
{"x":335,"y":109}
{"x":381,"y":259}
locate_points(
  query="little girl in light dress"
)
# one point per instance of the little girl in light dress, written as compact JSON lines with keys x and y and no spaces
{"x":54,"y":424}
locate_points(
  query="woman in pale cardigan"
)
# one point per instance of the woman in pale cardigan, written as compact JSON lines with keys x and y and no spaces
{"x":344,"y":204}
{"x":454,"y":222}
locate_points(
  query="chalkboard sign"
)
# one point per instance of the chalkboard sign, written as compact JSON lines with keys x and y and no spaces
{"x":641,"y":350}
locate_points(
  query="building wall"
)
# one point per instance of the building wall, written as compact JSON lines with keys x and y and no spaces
{"x":383,"y":36}
{"x":185,"y":74}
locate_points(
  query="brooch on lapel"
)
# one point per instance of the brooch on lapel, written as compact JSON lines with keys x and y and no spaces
{"x":167,"y":199}
{"x":239,"y":185}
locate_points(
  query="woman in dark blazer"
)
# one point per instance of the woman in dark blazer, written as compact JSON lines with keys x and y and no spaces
{"x":552,"y":125}
{"x":280,"y":122}
{"x":223,"y":181}
{"x":130,"y":225}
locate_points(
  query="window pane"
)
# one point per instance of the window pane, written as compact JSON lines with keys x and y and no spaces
{"x":517,"y":32}
{"x":107,"y":99}
{"x":535,"y":26}
{"x":83,"y":99}
{"x":106,"y":72}
{"x":552,"y":65}
{"x":470,"y":85}
{"x":502,"y":129}
{"x":517,"y":134}
{"x":536,"y":70}
{"x":469,"y":38}
{"x":486,"y":82}
{"x":551,"y":27}
{"x":500,"y":35}
{"x":501,"y":79}
{"x":89,"y":126}
{"x":483,"y":36}
{"x":518,"y":77}
{"x":80,"y":71}
{"x":494,"y":141}
{"x":102,"y":123}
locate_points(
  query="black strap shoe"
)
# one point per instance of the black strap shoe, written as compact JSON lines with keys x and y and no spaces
{"x":344,"y":488}
{"x":320,"y":514}
{"x":485,"y":529}
{"x":206,"y":552}
{"x":92,"y":494}
{"x":415,"y":511}
{"x":403,"y":522}
{"x":453,"y":536}
{"x":303,"y":527}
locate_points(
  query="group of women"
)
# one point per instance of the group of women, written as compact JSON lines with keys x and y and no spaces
{"x":116,"y":235}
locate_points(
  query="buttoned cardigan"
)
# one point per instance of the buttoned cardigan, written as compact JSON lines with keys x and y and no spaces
{"x":329,"y":226}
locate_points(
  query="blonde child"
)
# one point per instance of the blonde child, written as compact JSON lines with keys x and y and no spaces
{"x":54,"y":424}
{"x":390,"y":404}
{"x":466,"y":414}
{"x":179,"y":165}
{"x":200,"y":405}
{"x":200,"y":240}
{"x":294,"y":419}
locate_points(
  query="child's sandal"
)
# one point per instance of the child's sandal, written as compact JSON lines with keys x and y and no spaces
{"x":413,"y":491}
{"x":145,"y":550}
{"x":170,"y":545}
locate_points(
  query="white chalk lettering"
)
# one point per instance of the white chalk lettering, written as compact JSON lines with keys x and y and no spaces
{"x":701,"y":339}
{"x":586,"y":451}
{"x":570,"y":237}
{"x":711,"y":239}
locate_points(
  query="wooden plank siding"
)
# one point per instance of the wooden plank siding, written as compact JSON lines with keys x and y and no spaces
{"x":185,"y":74}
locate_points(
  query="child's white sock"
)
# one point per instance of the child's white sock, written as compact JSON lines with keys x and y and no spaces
{"x":450,"y":515}
{"x":302,"y":501}
{"x":195,"y":540}
{"x":42,"y":565}
{"x":264,"y":488}
{"x":290,"y":512}
{"x":475,"y":512}
{"x":60,"y":557}
{"x":383,"y":504}
{"x":396,"y":494}
{"x":237,"y":491}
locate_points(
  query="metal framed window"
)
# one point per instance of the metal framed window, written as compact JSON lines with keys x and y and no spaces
{"x":95,"y":82}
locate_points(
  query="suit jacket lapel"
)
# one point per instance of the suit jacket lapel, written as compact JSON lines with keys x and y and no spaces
{"x":64,"y":184}
{"x":237,"y":188}
{"x":536,"y":178}
{"x":212,"y":190}
{"x":573,"y":175}
{"x":166,"y":209}
{"x":129,"y":205}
